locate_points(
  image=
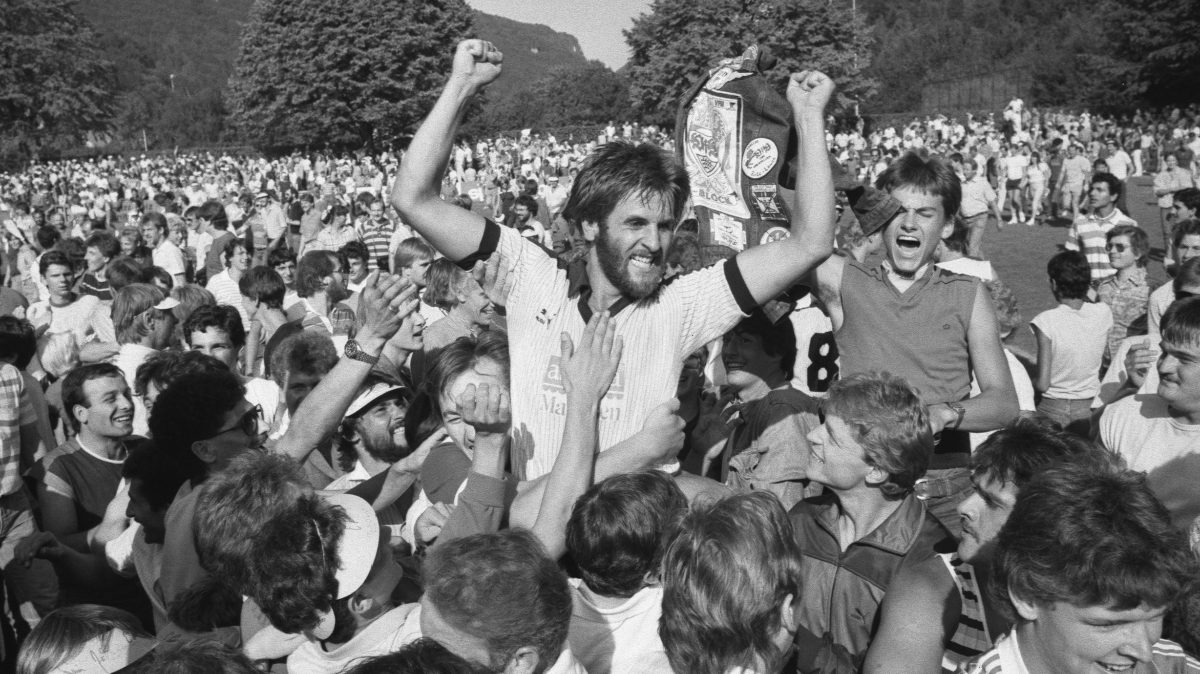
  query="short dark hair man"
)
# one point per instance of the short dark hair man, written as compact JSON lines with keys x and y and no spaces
{"x":1089,"y":563}
{"x":1088,"y":232}
{"x":940,"y":611}
{"x":1159,"y":433}
{"x":927,"y":325}
{"x":873,"y":445}
{"x":616,"y":536}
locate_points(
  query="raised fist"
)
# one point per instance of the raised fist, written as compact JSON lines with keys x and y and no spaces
{"x":476,"y":63}
{"x":809,"y":91}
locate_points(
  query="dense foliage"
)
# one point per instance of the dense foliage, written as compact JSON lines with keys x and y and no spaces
{"x":342,"y":74}
{"x":54,"y":82}
{"x":677,"y":41}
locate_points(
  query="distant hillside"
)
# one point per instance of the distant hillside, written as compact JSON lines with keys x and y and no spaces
{"x":530,"y":50}
{"x":174,"y":57}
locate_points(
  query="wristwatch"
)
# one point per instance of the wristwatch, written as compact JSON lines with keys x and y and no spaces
{"x":958,"y":409}
{"x":353,"y":350}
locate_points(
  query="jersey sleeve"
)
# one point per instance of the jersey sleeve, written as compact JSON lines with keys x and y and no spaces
{"x":713,"y":300}
{"x":526,"y":264}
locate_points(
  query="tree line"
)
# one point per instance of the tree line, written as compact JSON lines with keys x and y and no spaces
{"x":362,"y":73}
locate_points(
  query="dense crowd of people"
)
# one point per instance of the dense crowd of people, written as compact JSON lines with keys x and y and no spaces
{"x":493,"y":407}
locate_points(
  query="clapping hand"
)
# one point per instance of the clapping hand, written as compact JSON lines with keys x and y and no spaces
{"x":385,"y":302}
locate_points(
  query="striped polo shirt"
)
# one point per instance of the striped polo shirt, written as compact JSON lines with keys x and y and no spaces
{"x":1088,"y":235}
{"x":375,"y":236}
{"x":1166,"y":657}
{"x":659,"y":331}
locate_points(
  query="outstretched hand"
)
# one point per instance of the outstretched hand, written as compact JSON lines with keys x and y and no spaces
{"x":589,"y":370}
{"x":385,"y":302}
{"x":476,"y":63}
{"x":809,"y":91}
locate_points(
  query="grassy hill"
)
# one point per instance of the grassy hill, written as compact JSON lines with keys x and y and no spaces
{"x":173,"y":58}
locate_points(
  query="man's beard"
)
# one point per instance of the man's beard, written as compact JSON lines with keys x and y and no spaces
{"x":616,"y":270}
{"x":384,"y":448}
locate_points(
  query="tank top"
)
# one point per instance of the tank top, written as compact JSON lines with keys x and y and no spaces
{"x":971,"y":635}
{"x":920,"y":334}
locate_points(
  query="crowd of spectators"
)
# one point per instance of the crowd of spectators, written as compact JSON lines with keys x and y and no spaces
{"x":493,"y":407}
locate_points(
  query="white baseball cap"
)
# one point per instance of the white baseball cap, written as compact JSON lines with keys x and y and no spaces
{"x":369,"y":395}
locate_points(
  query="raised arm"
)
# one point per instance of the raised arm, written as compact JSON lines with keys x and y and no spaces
{"x":386,"y":301}
{"x":453,"y":231}
{"x":770,"y":269}
{"x":587,"y":373}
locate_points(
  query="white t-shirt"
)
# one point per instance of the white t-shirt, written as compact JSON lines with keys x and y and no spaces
{"x":1021,"y":382}
{"x":1141,"y":429}
{"x":658,"y":331}
{"x":228,"y":294}
{"x":86,"y":317}
{"x":1077,"y":341}
{"x":621,"y":640}
{"x":1156,"y":306}
{"x":168,"y":256}
{"x":265,"y":393}
{"x":1015,"y":166}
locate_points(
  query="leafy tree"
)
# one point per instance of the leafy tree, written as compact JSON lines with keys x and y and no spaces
{"x":679,"y":40}
{"x":581,"y":94}
{"x":54,"y":84}
{"x":342,"y":72}
{"x":1154,"y":54}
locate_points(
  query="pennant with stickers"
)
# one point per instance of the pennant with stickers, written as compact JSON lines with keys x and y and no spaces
{"x":734,"y":135}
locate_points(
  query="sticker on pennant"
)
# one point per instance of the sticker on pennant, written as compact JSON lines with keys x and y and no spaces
{"x":728,"y":232}
{"x":712,"y":146}
{"x":774,"y":234}
{"x":766,"y":201}
{"x":759,"y":158}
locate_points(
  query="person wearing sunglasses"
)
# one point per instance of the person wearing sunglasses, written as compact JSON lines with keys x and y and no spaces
{"x":1127,"y":291}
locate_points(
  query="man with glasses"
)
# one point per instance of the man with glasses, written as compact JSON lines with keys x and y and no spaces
{"x":1127,"y":291}
{"x":203,"y":421}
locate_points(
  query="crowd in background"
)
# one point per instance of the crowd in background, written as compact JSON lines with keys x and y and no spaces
{"x":345,"y":413}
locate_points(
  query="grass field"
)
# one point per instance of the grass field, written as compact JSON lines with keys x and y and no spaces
{"x":1019,"y":254}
